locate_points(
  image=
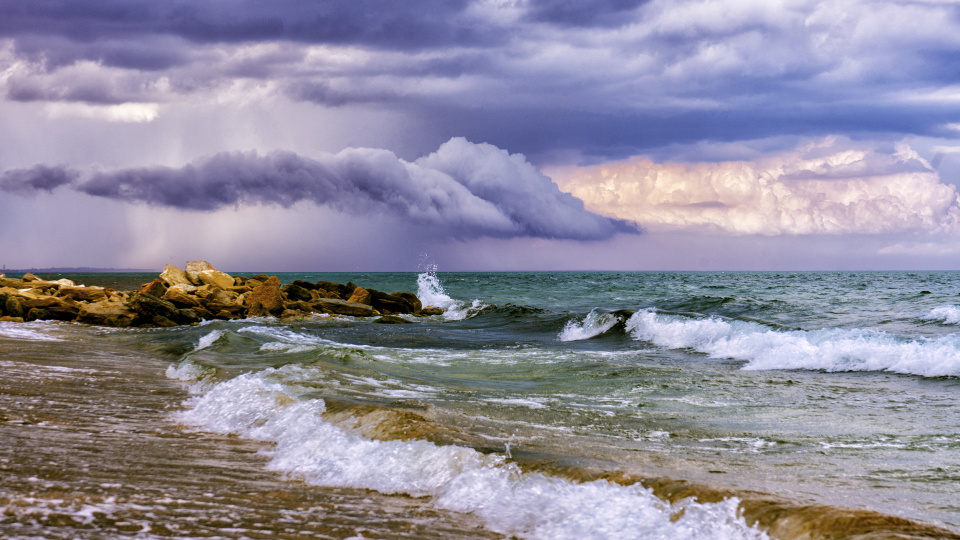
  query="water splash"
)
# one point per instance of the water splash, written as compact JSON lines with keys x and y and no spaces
{"x":431,"y":293}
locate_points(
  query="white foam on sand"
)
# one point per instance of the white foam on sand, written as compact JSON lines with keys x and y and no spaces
{"x":263,"y":406}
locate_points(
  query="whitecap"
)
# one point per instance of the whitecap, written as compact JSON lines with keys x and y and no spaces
{"x":593,"y":324}
{"x":827,"y":349}
{"x":949,"y":314}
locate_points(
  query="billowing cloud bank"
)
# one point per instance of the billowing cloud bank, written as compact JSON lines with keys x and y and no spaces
{"x":830,"y":187}
{"x":606,"y":77}
{"x":462,"y":190}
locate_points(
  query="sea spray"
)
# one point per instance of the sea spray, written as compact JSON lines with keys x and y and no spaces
{"x":431,"y":293}
{"x":261,"y":406}
{"x":827,"y":349}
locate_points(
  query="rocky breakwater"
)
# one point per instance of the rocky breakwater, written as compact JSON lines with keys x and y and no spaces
{"x":195,"y":293}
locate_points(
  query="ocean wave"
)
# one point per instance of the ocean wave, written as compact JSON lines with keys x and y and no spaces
{"x":431,"y":293}
{"x":593,"y":324}
{"x":949,"y":314}
{"x":827,"y":349}
{"x":260,"y":406}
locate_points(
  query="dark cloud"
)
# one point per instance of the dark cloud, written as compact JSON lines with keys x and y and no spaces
{"x":39,"y":178}
{"x":596,"y":13}
{"x":599,"y":136}
{"x":462,"y":190}
{"x":382,"y":23}
{"x":602,"y":78}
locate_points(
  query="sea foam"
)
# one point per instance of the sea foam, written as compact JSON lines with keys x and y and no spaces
{"x":262,"y":406}
{"x":828,"y":349}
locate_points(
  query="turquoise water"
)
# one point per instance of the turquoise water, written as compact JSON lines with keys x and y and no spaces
{"x":820,"y":388}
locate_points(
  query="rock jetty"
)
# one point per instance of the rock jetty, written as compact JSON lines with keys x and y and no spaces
{"x":195,"y":293}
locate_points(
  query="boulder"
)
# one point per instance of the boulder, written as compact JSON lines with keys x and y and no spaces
{"x":29,"y":276}
{"x":361,"y":296}
{"x":220,"y":310}
{"x":290,"y":315}
{"x":343,"y":307}
{"x":14,"y":306}
{"x":341,"y":291}
{"x":83,"y":294}
{"x":173,"y":275}
{"x":162,"y":321}
{"x":297,"y":305}
{"x":266,"y":299}
{"x":155,"y":288}
{"x":51,"y":302}
{"x":297,"y":292}
{"x":149,"y":306}
{"x":36,"y":314}
{"x":185,"y":287}
{"x":20,"y":284}
{"x":194,"y":268}
{"x":54,"y":313}
{"x":411,"y":299}
{"x":384,"y":302}
{"x":14,"y":283}
{"x":8,"y":318}
{"x":189,"y":316}
{"x":431,"y":310}
{"x":177,"y":297}
{"x":106,"y":313}
{"x":305,"y":284}
{"x":216,"y":278}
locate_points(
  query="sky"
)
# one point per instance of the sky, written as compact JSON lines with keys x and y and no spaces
{"x":376,"y":135}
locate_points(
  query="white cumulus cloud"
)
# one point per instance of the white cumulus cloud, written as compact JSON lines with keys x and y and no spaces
{"x":830,"y":187}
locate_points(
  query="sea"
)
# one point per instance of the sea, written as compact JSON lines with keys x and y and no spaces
{"x":667,"y":405}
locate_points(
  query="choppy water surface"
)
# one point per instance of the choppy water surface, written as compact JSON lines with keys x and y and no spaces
{"x":540,"y":405}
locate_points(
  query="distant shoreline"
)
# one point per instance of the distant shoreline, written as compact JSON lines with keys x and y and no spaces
{"x":76,"y":270}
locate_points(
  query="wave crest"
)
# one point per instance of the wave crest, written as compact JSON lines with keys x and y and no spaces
{"x":593,"y":324}
{"x":828,"y":349}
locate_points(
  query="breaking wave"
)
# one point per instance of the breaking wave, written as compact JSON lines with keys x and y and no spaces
{"x":261,"y":406}
{"x":593,"y":324}
{"x":827,"y":350}
{"x":948,"y":314}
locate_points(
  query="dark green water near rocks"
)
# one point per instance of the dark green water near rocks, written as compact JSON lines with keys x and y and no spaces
{"x":833,"y":390}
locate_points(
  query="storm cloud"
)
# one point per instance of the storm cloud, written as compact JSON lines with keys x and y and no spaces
{"x":463,"y":190}
{"x":606,"y":78}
